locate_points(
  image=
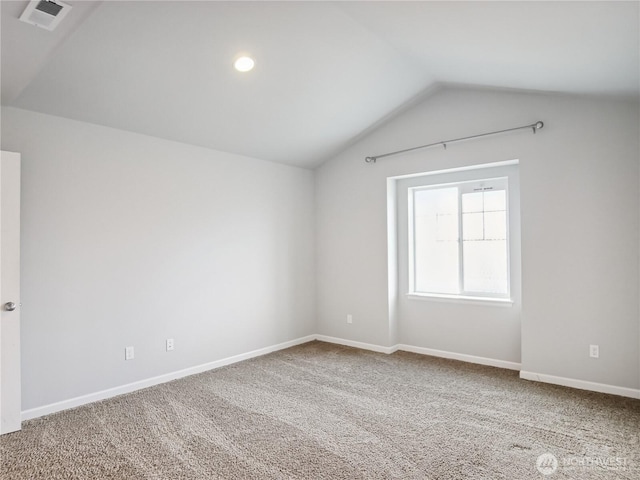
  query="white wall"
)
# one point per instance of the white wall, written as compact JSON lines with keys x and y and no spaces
{"x":129,"y":240}
{"x":579,"y":180}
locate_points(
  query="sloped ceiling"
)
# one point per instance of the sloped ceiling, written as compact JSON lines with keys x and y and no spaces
{"x":325,"y":71}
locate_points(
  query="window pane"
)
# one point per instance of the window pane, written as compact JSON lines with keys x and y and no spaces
{"x":472,"y":226}
{"x":484,"y":248}
{"x":447,"y":227}
{"x":495,"y":225}
{"x":485,"y":266}
{"x":472,"y":202}
{"x":436,"y":240}
{"x":437,"y":200}
{"x":495,"y":200}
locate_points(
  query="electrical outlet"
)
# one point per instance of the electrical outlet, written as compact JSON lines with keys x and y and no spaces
{"x":594,"y":351}
{"x":349,"y":318}
{"x":128,"y":353}
{"x":169,"y":344}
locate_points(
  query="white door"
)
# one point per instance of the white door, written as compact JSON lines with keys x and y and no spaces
{"x":10,"y":292}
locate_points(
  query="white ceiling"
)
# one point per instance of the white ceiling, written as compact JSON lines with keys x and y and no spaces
{"x":325,"y":71}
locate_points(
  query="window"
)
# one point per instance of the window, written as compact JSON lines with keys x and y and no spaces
{"x":459,"y":239}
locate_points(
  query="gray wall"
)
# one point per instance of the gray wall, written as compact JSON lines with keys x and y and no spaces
{"x":129,"y":240}
{"x":579,"y":184}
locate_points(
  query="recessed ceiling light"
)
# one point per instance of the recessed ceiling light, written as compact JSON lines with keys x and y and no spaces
{"x":244,"y":64}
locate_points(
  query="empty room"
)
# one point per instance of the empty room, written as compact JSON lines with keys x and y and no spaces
{"x":320,"y":240}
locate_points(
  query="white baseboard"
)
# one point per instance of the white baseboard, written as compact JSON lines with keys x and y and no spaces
{"x":492,"y":362}
{"x":421,"y":350}
{"x":149,"y":382}
{"x":353,"y":343}
{"x":581,"y":384}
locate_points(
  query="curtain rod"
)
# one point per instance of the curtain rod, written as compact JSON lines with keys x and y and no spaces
{"x":534,"y":126}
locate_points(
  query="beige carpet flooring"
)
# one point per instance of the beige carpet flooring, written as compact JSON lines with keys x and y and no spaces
{"x":321,"y":411}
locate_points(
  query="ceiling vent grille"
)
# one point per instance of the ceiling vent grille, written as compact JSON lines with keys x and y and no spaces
{"x":46,"y":14}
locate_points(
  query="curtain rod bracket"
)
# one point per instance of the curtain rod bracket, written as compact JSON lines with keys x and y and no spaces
{"x":537,"y":126}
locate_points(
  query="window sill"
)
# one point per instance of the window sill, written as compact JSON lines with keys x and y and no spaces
{"x":487,"y":301}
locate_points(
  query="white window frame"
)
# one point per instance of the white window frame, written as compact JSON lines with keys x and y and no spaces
{"x":463,"y":187}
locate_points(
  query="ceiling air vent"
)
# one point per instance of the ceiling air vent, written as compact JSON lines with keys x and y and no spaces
{"x":45,"y":13}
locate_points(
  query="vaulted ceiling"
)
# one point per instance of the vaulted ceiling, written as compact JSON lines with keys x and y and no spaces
{"x":325,"y":71}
